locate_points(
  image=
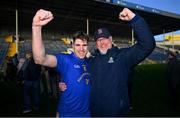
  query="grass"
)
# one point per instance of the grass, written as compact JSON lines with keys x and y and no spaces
{"x":150,"y":95}
{"x":150,"y":91}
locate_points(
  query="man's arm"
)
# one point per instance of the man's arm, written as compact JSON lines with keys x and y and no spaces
{"x":126,"y":15}
{"x":41,"y":18}
{"x":145,"y":40}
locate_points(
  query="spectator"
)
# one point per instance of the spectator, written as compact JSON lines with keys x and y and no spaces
{"x":45,"y":83}
{"x":11,"y":70}
{"x":31,"y":87}
{"x":173,"y":77}
{"x":53,"y":81}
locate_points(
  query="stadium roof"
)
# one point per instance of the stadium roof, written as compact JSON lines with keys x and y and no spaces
{"x":71,"y":15}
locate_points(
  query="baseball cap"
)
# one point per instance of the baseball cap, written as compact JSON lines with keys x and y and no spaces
{"x":101,"y":32}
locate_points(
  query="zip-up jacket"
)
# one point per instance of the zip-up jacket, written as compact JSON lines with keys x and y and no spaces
{"x":109,"y":90}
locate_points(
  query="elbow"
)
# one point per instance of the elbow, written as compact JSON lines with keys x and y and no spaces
{"x":38,"y":60}
{"x":149,"y":47}
{"x":153,"y":44}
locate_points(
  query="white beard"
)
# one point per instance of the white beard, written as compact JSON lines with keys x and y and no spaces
{"x":102,"y":52}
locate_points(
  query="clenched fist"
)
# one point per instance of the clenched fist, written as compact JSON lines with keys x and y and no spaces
{"x":41,"y":18}
{"x":126,"y":15}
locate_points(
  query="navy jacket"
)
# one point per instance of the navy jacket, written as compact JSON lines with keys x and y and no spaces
{"x":109,"y":90}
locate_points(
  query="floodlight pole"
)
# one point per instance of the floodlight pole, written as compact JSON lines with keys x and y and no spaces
{"x":173,"y":40}
{"x":164,"y":41}
{"x":87,"y":23}
{"x":17,"y":37}
{"x":132,"y":35}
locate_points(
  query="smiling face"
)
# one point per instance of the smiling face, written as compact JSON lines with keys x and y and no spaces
{"x":103,"y":44}
{"x":80,"y":48}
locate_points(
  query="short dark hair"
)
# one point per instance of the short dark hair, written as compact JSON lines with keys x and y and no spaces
{"x":80,"y":35}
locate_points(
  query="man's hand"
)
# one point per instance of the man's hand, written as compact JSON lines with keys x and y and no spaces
{"x":41,"y":18}
{"x":62,"y":86}
{"x":126,"y":15}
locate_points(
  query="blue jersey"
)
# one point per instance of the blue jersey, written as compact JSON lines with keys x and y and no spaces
{"x":74,"y":101}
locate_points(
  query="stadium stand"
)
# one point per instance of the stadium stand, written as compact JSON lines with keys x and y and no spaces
{"x":159,"y":55}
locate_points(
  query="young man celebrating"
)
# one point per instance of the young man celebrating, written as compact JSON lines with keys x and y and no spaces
{"x":73,"y":68}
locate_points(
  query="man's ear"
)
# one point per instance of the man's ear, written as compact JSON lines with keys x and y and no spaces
{"x":110,"y":38}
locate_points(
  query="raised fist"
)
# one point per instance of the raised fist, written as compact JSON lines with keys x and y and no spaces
{"x":126,"y":15}
{"x":42,"y":17}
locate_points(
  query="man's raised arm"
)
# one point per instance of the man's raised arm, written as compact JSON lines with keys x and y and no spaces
{"x":145,"y":40}
{"x":41,"y":18}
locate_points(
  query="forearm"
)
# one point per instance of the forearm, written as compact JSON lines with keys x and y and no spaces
{"x":145,"y":39}
{"x":37,"y":45}
{"x":145,"y":42}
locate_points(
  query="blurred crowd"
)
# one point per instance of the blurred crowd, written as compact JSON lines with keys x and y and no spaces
{"x":36,"y":80}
